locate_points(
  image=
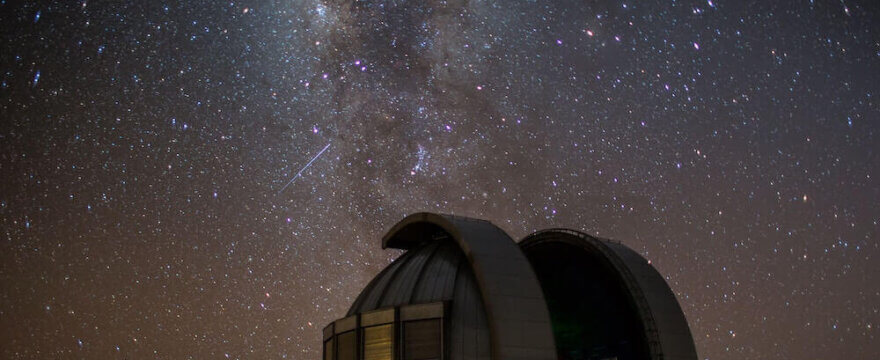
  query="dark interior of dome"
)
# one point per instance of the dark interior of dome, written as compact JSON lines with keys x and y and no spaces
{"x":593,"y":316}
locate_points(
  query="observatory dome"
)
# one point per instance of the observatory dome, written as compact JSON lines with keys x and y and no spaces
{"x":465,"y":290}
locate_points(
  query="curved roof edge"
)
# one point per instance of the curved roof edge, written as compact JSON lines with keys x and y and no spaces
{"x":668,"y":333}
{"x":518,"y":319}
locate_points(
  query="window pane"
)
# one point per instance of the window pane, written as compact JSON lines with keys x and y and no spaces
{"x":421,"y":339}
{"x":328,"y":349}
{"x":347,"y":348}
{"x":377,"y":342}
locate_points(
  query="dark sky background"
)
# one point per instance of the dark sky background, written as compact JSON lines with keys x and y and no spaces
{"x":156,"y":200}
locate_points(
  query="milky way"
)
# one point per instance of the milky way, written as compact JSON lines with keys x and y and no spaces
{"x":144,"y":147}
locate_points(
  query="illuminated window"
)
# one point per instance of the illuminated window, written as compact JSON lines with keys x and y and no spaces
{"x":421,"y":339}
{"x":347,"y":347}
{"x":377,"y":342}
{"x":328,"y":349}
{"x":411,"y":332}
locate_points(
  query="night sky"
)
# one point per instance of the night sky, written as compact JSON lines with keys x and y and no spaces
{"x":205,"y":179}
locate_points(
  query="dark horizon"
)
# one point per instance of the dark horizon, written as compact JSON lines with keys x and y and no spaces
{"x":211,"y":180}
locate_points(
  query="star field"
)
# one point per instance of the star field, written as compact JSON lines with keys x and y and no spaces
{"x":202,"y":179}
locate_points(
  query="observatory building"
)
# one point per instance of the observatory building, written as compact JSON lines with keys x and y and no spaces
{"x":465,"y":290}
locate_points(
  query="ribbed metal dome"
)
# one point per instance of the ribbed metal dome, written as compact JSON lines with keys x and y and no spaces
{"x":494,"y":304}
{"x":433,"y":272}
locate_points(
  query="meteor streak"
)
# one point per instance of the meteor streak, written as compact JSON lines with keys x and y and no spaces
{"x":303,"y":169}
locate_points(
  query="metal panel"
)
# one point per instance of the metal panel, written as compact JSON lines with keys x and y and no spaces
{"x":383,"y":316}
{"x":328,"y":331}
{"x":345,"y":324}
{"x":673,"y":332}
{"x":377,"y":342}
{"x":508,"y":286}
{"x":329,"y":349}
{"x":347,"y":346}
{"x":422,"y":339}
{"x":469,"y":329}
{"x":421,"y":311}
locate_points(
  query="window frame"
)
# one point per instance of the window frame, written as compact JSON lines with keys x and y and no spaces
{"x":431,"y":325}
{"x":332,"y":347}
{"x":363,"y":335}
{"x":329,"y":333}
{"x":421,"y":312}
{"x":379,"y":317}
{"x":356,"y":343}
